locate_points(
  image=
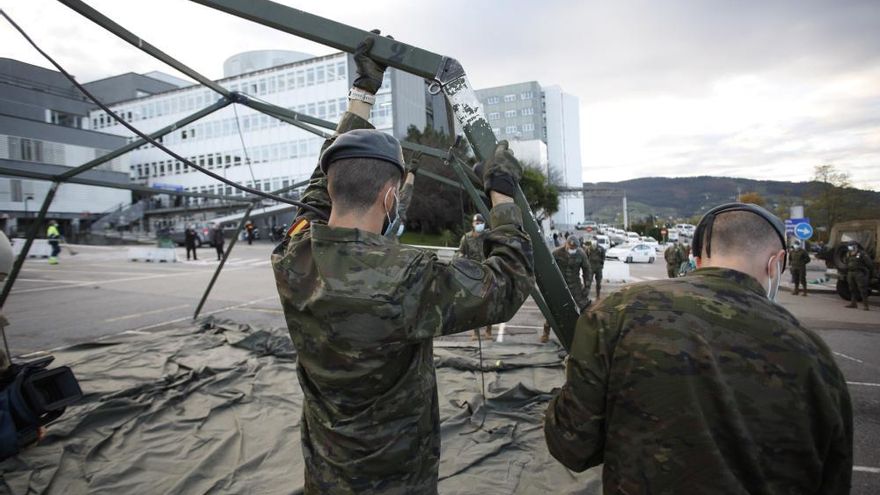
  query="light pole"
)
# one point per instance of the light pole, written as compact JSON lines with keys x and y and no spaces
{"x":26,"y":199}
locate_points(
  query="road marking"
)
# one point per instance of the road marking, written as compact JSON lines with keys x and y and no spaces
{"x":864,"y":384}
{"x":135,"y":315}
{"x":865,"y":469}
{"x":52,"y":281}
{"x":526,"y":327}
{"x":263,"y":310}
{"x":848,"y":357}
{"x":501,"y":332}
{"x":220,"y":310}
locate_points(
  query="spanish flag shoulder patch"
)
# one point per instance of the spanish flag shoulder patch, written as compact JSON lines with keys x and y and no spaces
{"x":298,"y":226}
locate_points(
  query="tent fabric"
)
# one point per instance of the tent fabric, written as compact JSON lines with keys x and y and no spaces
{"x":214,"y":407}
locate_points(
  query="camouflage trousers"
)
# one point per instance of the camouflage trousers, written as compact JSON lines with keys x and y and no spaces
{"x":799,"y":277}
{"x":671,"y":270}
{"x":858,"y":286}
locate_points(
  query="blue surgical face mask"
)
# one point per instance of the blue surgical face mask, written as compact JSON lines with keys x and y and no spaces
{"x":479,"y":227}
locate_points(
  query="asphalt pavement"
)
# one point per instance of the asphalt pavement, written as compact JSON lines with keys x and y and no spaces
{"x":100,"y":292}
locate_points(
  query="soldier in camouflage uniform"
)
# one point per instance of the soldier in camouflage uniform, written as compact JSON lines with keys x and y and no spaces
{"x":471,"y":247}
{"x":596,"y":255}
{"x":798,"y":259}
{"x":674,"y":259}
{"x":702,"y":384}
{"x":362,"y":309}
{"x":858,"y":275}
{"x":575,"y":267}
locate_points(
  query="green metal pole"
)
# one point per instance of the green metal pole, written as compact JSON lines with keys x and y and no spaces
{"x":210,"y":286}
{"x":32,"y":234}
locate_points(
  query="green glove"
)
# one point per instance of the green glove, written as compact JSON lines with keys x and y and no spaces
{"x":502,"y":172}
{"x":369,"y":72}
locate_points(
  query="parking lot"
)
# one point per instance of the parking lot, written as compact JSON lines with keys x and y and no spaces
{"x":100,"y":292}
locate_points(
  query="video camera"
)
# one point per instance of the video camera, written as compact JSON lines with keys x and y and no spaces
{"x":32,"y":396}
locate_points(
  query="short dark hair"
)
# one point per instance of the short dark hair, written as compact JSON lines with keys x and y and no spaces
{"x":354,"y":183}
{"x":742,"y":233}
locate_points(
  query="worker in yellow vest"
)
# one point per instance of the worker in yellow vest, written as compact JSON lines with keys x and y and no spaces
{"x":54,"y":237}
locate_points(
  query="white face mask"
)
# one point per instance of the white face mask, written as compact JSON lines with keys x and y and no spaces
{"x":773,"y":285}
{"x":479,"y":227}
{"x":400,"y":230}
{"x":572,"y":251}
{"x":388,"y":213}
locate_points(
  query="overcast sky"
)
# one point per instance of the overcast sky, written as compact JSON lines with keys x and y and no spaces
{"x":756,"y":89}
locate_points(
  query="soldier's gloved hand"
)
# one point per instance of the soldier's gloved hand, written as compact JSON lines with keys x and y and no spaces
{"x":412,"y":166}
{"x":502,"y":172}
{"x":369,"y":72}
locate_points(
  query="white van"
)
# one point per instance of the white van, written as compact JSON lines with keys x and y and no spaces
{"x":603,"y":241}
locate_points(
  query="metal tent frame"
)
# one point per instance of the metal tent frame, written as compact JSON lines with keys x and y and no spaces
{"x":445,"y":74}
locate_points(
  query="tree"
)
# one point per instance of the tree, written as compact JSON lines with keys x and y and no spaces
{"x":829,"y":194}
{"x":543,"y":197}
{"x":752,"y":197}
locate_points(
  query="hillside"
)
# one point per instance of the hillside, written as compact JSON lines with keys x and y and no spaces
{"x":686,"y":197}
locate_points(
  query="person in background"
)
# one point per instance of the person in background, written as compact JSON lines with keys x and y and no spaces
{"x":674,"y":259}
{"x":217,"y":239}
{"x":249,"y":232}
{"x":471,"y":247}
{"x":798,"y":259}
{"x":596,"y":255}
{"x":189,"y":241}
{"x":575,"y":267}
{"x":54,"y":236}
{"x":858,"y":274}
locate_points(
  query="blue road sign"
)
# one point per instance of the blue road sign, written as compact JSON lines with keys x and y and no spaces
{"x":803,"y":231}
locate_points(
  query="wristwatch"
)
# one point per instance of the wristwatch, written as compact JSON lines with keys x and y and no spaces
{"x":361,"y":95}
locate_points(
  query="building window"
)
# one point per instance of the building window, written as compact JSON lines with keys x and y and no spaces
{"x":527,"y":111}
{"x":496,"y":131}
{"x":492,"y":100}
{"x":319,"y":74}
{"x":509,"y":98}
{"x":341,"y":70}
{"x":494,"y":115}
{"x":526,"y":95}
{"x":528,"y":127}
{"x":509,"y":113}
{"x":310,"y":76}
{"x":511,"y":129}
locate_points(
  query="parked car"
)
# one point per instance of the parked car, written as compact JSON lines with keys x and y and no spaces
{"x":651,"y":242}
{"x":587,"y":226}
{"x":603,"y":241}
{"x":203,"y":235}
{"x":633,"y":237}
{"x":632,"y":253}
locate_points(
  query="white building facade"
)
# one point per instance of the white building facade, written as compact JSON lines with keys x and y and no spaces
{"x":249,"y":147}
{"x":528,"y":111}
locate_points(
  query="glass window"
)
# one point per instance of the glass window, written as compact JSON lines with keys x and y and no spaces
{"x":272,"y":85}
{"x":527,"y":111}
{"x":341,"y":70}
{"x":528,"y":127}
{"x":526,"y":95}
{"x":319,"y":74}
{"x":310,"y":76}
{"x":331,"y":72}
{"x":510,"y":113}
{"x":492,"y":100}
{"x":262,"y":86}
{"x":496,"y":131}
{"x":511,"y":129}
{"x":300,"y":78}
{"x":509,"y":98}
{"x":494,"y":115}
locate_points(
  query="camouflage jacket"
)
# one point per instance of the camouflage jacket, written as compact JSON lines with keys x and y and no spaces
{"x":673,"y":256}
{"x":471,"y":246}
{"x":596,"y":255}
{"x":858,"y":262}
{"x":574,"y":267}
{"x":700,"y":384}
{"x":798,"y":259}
{"x":362,"y":311}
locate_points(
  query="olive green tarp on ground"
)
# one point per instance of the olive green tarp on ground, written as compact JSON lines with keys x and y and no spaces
{"x":214,"y":407}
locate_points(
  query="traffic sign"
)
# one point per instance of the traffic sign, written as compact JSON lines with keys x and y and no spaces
{"x":803,"y":231}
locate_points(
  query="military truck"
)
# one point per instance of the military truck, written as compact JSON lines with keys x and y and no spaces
{"x":866,"y":233}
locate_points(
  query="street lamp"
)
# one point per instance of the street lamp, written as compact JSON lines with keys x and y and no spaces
{"x":26,"y":199}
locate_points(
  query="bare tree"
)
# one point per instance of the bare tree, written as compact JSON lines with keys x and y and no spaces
{"x":830,"y":193}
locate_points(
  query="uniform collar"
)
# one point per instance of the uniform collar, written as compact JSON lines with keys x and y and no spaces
{"x":322,"y":232}
{"x":737,"y":277}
